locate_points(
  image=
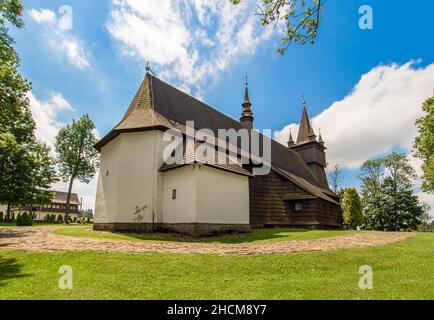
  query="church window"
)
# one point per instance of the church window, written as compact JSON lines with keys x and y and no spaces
{"x":174,"y":194}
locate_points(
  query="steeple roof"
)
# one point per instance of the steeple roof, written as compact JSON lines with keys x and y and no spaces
{"x":305,"y":132}
{"x":246,"y":94}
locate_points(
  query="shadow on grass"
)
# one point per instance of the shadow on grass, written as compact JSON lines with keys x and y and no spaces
{"x":255,"y":235}
{"x":10,"y":269}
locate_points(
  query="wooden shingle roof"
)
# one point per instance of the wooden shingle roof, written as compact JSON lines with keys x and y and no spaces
{"x":158,"y":105}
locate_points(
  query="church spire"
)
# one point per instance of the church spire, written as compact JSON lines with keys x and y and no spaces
{"x":291,"y":141}
{"x":247,"y":114}
{"x":320,"y":139}
{"x":305,"y":132}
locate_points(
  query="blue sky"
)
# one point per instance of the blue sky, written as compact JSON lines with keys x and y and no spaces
{"x":206,"y":49}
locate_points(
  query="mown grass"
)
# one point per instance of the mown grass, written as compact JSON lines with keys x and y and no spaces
{"x":271,"y":234}
{"x":402,"y":270}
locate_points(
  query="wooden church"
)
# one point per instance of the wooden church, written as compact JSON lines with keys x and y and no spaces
{"x":138,"y":192}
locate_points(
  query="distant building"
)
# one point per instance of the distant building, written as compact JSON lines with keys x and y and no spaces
{"x":56,"y":207}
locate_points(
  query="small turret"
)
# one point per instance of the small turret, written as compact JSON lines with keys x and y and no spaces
{"x":247,"y":114}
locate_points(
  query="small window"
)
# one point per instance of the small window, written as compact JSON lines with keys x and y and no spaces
{"x":174,"y":194}
{"x":298,"y":206}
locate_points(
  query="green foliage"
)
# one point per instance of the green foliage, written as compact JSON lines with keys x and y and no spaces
{"x":352,"y":209}
{"x":388,"y":199}
{"x":1,"y":216}
{"x":77,"y":157}
{"x":300,"y":19}
{"x":60,"y":218}
{"x":25,"y":164}
{"x":424,"y":145}
{"x":24,"y":219}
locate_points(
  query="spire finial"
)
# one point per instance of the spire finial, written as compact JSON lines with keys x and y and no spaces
{"x":246,"y":93}
{"x":291,"y":141}
{"x":148,"y":68}
{"x":247,"y":114}
{"x":320,"y":139}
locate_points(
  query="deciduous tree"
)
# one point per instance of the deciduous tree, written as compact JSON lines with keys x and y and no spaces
{"x":299,"y":19}
{"x":388,"y":198}
{"x":77,"y":157}
{"x":424,"y":145}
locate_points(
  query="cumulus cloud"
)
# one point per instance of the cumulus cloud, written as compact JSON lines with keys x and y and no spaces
{"x":59,"y":36}
{"x":376,"y":117}
{"x":45,"y":113}
{"x":189,"y":42}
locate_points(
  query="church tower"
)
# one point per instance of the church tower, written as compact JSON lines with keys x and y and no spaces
{"x":247,"y":114}
{"x":311,"y":149}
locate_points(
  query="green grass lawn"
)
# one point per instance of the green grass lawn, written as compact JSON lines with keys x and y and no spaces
{"x":402,"y":270}
{"x":272,"y":234}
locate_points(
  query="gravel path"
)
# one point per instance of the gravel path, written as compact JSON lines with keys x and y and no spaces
{"x":42,"y":239}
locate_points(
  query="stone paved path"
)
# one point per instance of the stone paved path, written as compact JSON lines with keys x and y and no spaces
{"x":42,"y":239}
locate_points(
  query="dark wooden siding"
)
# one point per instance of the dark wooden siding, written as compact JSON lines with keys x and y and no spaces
{"x":272,"y":202}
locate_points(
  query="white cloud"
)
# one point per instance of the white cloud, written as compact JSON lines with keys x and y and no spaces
{"x":60,"y":38}
{"x":378,"y":115}
{"x":42,"y":16}
{"x":189,"y":42}
{"x":45,"y":114}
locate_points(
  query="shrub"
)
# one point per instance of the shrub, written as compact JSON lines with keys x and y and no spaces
{"x":352,"y":209}
{"x":24,"y":220}
{"x":1,"y":216}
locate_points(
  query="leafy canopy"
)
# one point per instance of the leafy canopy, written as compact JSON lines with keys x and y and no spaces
{"x":77,"y":157}
{"x":300,"y":19}
{"x":424,"y":145}
{"x":388,"y":199}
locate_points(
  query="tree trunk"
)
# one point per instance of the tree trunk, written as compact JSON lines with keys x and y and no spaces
{"x":8,"y":213}
{"x":68,"y":200}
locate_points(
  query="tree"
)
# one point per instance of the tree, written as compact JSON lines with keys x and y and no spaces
{"x":16,"y":122}
{"x":424,"y":145}
{"x":77,"y":157}
{"x":300,"y":18}
{"x":335,"y":178}
{"x":42,"y":175}
{"x":352,"y":209}
{"x":427,"y":222}
{"x":388,"y":199}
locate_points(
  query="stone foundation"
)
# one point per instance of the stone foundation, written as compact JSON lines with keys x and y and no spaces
{"x":191,"y":229}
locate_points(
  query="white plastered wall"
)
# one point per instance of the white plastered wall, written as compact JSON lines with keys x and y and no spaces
{"x":131,"y":189}
{"x":130,"y":185}
{"x":205,"y":195}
